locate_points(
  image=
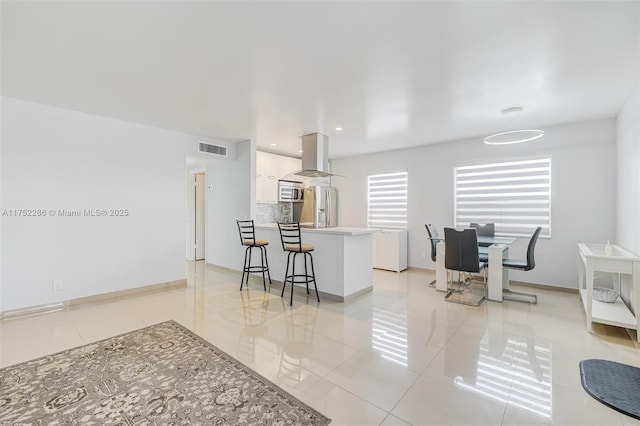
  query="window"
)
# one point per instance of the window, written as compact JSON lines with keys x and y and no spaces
{"x":514,"y":195}
{"x":387,"y":202}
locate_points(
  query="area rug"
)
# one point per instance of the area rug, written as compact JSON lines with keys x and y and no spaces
{"x":159,"y":375}
{"x":613,"y":384}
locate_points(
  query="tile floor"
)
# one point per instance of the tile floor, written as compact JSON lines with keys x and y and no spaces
{"x":396,"y":356}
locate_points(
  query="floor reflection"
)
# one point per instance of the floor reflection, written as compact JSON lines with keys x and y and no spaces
{"x":254,"y":313}
{"x":300,"y":328}
{"x":389,"y":336}
{"x":519,"y":374}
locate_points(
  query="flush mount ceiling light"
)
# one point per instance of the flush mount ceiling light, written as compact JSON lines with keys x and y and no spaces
{"x":514,"y":136}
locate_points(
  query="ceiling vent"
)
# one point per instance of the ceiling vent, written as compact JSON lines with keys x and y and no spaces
{"x":209,"y":148}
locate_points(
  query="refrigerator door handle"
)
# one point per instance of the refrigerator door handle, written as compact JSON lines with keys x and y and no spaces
{"x":329,"y":208}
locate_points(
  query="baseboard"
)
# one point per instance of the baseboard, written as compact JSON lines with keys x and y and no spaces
{"x":298,"y":289}
{"x":127,"y":292}
{"x":98,"y":298}
{"x":302,"y":291}
{"x":543,"y":286}
{"x":32,"y":310}
{"x":418,"y":268}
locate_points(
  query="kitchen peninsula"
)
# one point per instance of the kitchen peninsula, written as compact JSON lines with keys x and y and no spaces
{"x":343,"y":258}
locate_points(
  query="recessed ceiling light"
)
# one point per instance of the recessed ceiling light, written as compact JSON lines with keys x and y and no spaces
{"x":273,"y":144}
{"x":338,"y":128}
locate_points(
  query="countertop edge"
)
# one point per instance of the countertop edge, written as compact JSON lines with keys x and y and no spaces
{"x":340,"y":230}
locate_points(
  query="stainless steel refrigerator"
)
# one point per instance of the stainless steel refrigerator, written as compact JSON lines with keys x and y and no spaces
{"x":320,"y":207}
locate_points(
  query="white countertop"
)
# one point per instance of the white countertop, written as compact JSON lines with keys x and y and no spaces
{"x":339,"y":230}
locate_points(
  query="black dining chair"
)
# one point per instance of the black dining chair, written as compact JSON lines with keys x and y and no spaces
{"x":433,"y":240}
{"x":484,"y":230}
{"x":461,"y":254}
{"x":523,"y":265}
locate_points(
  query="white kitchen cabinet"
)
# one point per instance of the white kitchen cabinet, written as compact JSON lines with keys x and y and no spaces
{"x":269,"y":169}
{"x":390,"y":249}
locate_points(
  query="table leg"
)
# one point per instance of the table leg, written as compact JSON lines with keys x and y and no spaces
{"x":589,"y":282}
{"x":636,"y":295}
{"x":505,"y":271}
{"x":581,"y":267}
{"x":496,"y":273}
{"x":441,"y":272}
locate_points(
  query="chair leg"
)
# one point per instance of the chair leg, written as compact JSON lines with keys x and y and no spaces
{"x":293,"y":277}
{"x":244,"y":266}
{"x":286,"y":271}
{"x":463,"y":301}
{"x":313,"y":272}
{"x":513,"y":296}
{"x":264,"y":278}
{"x":306,"y":273}
{"x":266,"y":261}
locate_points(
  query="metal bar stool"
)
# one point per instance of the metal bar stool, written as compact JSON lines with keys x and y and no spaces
{"x":248,"y":239}
{"x":292,"y":243}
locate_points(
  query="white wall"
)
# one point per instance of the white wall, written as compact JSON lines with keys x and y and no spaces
{"x":628,"y":175}
{"x":228,"y":198}
{"x":628,"y":157}
{"x":54,"y":158}
{"x":583,"y":192}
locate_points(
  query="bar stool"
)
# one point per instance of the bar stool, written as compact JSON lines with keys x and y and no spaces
{"x":248,"y":239}
{"x":292,"y":243}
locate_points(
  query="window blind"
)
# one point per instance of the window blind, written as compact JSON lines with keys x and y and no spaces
{"x":387,"y":200}
{"x":515,"y":195}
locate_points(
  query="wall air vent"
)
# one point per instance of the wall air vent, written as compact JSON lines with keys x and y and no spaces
{"x":209,"y":148}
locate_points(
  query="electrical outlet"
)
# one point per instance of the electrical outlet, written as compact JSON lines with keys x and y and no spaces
{"x":56,"y":285}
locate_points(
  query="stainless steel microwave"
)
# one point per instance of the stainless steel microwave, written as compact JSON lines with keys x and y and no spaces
{"x":290,"y":191}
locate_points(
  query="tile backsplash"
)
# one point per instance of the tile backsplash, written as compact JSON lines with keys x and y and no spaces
{"x":271,"y":212}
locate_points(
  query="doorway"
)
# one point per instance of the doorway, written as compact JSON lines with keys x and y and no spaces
{"x":199,"y":216}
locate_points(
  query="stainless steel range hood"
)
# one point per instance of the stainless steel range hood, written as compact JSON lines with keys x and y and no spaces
{"x":315,"y":156}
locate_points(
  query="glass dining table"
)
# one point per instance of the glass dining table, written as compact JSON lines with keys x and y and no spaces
{"x":498,"y":277}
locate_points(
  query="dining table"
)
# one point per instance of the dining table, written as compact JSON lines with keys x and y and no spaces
{"x":498,"y":277}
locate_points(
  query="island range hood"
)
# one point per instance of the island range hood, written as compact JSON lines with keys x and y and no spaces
{"x":315,"y":156}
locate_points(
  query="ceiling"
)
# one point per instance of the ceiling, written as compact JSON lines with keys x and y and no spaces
{"x":391,"y":74}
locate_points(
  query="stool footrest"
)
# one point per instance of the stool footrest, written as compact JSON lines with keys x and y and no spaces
{"x":299,"y":279}
{"x":256,"y":268}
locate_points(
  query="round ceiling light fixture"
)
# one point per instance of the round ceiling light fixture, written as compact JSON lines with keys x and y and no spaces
{"x":514,"y":136}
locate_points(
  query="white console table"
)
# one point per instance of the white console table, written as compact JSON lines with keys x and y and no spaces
{"x":592,"y":258}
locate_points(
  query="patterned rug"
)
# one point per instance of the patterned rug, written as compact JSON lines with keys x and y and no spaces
{"x":159,"y":375}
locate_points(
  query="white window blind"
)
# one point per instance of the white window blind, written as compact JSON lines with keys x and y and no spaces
{"x":387,"y":200}
{"x":514,"y":195}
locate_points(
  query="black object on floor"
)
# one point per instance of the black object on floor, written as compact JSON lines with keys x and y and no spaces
{"x":615,"y":385}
